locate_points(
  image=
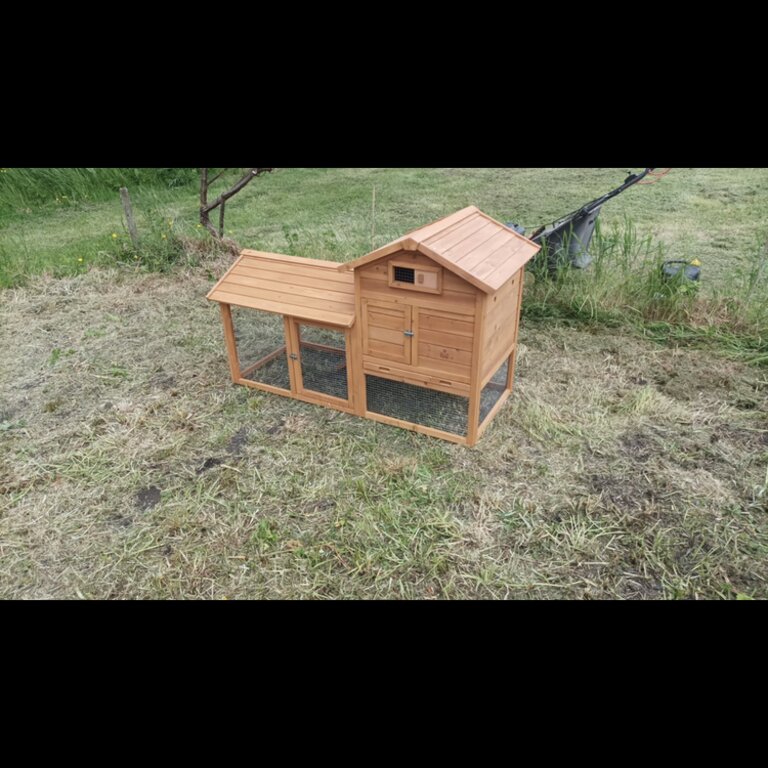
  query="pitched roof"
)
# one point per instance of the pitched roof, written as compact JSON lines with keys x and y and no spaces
{"x":469,"y":243}
{"x":307,"y":289}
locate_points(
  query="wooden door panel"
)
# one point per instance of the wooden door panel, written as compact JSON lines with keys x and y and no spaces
{"x":386,"y":331}
{"x":444,"y":342}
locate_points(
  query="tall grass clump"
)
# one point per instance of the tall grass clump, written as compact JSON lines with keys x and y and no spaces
{"x":29,"y":187}
{"x":161,"y":247}
{"x":624,"y":280}
{"x":66,"y":240}
{"x":743,"y":299}
{"x":625,"y":285}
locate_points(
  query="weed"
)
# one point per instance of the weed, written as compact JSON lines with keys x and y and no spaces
{"x":626,"y":287}
{"x":631,"y":462}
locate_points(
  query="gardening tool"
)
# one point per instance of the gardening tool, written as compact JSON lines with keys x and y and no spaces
{"x":691,"y":270}
{"x":567,"y":240}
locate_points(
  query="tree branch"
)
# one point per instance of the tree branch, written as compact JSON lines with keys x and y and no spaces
{"x":217,"y":177}
{"x":206,"y":207}
{"x":244,"y":181}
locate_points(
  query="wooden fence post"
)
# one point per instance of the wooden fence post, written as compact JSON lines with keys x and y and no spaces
{"x":131,"y":221}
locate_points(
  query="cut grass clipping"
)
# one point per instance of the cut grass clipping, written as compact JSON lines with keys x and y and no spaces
{"x":628,"y":464}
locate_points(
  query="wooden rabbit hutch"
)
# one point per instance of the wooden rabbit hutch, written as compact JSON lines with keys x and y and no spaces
{"x":420,"y":334}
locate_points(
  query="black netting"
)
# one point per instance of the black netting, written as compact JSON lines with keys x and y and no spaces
{"x":418,"y":405}
{"x":493,"y":391}
{"x":324,"y":361}
{"x":261,"y":349}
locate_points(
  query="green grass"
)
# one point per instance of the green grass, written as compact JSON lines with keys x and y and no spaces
{"x":64,"y":221}
{"x":131,"y":468}
{"x":25,"y":188}
{"x":625,"y":287}
{"x":716,"y":215}
{"x":629,"y":463}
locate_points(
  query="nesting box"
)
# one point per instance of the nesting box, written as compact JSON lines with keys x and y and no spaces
{"x":420,"y":334}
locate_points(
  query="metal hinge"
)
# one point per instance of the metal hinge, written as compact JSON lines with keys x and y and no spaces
{"x":409,"y":334}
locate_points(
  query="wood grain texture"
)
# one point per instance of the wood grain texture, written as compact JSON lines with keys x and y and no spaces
{"x":410,"y":241}
{"x":297,"y":292}
{"x":451,"y":282}
{"x":458,"y":303}
{"x":513,"y":358}
{"x":336,"y":405}
{"x":439,"y":353}
{"x":475,"y":390}
{"x":502,"y":311}
{"x":278,"y":308}
{"x":229,"y":340}
{"x":452,"y":342}
{"x":287,"y":285}
{"x":384,"y":327}
{"x":470,"y":244}
{"x":457,"y":240}
{"x":357,"y":383}
{"x":418,"y":378}
{"x":495,"y":369}
{"x":416,"y":428}
{"x":282,"y":258}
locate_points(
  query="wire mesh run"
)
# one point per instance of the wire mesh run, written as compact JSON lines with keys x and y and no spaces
{"x":324,"y":361}
{"x":261,"y":348}
{"x":418,"y":405}
{"x":493,"y":391}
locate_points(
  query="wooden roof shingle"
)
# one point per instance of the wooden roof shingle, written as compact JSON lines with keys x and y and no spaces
{"x":307,"y":289}
{"x":469,"y":243}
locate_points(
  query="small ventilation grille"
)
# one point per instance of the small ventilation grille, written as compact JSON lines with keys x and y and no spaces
{"x":405,"y":275}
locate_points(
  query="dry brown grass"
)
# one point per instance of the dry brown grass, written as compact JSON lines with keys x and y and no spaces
{"x":130,"y":468}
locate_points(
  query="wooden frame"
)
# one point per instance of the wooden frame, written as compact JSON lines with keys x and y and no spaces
{"x":419,"y":288}
{"x":393,"y":370}
{"x":292,"y":346}
{"x":411,"y":427}
{"x":264,"y":361}
{"x":473,"y":432}
{"x":295,"y":348}
{"x":386,"y":348}
{"x":229,"y":339}
{"x":452,"y":336}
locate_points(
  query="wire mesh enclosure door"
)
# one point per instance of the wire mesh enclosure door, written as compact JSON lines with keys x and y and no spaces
{"x":414,"y":405}
{"x":495,"y":393}
{"x":323,"y":364}
{"x":260,"y":338}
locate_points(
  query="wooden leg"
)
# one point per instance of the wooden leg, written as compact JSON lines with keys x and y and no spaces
{"x":473,"y":428}
{"x":513,"y":358}
{"x":355,"y":357}
{"x":476,"y":387}
{"x":511,"y":370}
{"x":229,"y":338}
{"x":293,"y":337}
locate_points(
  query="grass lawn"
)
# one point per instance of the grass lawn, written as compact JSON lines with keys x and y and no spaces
{"x":131,"y":468}
{"x":716,"y":215}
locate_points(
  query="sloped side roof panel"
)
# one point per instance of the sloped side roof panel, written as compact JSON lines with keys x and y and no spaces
{"x":471,"y":244}
{"x":306,"y":289}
